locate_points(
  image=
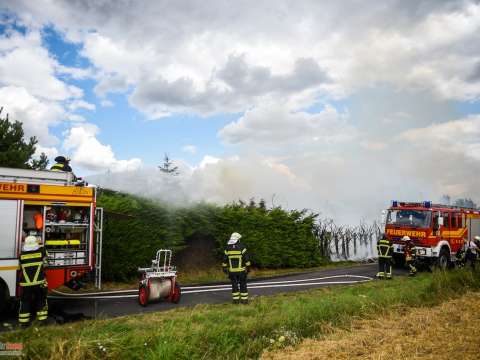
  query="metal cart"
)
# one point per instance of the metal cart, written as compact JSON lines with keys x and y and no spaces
{"x":159,"y":282}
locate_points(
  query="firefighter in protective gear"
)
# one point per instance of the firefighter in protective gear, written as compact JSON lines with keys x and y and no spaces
{"x":471,"y":249}
{"x":236,"y":264}
{"x":33,"y":259}
{"x":62,"y":164}
{"x":384,"y":248}
{"x":409,"y":251}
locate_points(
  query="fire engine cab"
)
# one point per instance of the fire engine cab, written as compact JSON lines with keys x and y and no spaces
{"x":61,"y":213}
{"x":437,"y":231}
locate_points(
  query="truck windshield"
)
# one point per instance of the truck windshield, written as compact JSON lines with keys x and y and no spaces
{"x":410,"y":218}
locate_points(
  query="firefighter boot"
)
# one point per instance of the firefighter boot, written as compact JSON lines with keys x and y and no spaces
{"x":413,"y":271}
{"x":236,"y":297}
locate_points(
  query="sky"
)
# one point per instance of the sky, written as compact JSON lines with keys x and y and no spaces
{"x":338,"y":107}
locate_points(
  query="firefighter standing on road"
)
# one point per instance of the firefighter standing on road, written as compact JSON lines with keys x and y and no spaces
{"x":33,"y":284}
{"x":409,"y":251}
{"x":236,"y":264}
{"x":384,"y":249}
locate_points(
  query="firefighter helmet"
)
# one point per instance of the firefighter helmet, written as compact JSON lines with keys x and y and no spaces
{"x":406,"y":238}
{"x":62,"y":159}
{"x":234,"y":238}
{"x":30,"y":243}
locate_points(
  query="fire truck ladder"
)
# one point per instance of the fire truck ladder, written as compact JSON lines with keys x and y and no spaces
{"x":98,"y":228}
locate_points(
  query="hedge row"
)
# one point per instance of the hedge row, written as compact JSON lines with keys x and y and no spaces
{"x":135,"y":228}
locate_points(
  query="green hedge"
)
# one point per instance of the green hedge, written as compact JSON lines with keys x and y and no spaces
{"x":135,"y":228}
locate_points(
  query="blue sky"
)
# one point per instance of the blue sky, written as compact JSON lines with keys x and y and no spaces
{"x":128,"y":131}
{"x":253,"y":105}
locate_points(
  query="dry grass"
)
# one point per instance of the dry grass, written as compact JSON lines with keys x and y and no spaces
{"x":448,"y":331}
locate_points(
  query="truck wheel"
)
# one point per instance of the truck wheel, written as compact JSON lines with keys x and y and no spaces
{"x":4,"y":298}
{"x":143,"y":294}
{"x":443,"y":261}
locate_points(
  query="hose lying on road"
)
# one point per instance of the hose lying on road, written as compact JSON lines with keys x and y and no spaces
{"x":122,"y":294}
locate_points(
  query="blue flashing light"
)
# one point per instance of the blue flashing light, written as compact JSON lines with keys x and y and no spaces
{"x":427,"y":204}
{"x":394,"y":203}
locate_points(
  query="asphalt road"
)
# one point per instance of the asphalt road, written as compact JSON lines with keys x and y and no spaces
{"x":119,"y":303}
{"x":124,"y":303}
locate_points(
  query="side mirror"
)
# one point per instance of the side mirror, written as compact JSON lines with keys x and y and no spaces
{"x":384,"y":217}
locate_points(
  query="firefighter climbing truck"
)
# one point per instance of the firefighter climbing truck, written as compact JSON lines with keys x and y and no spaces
{"x":62,"y":213}
{"x":437,"y":231}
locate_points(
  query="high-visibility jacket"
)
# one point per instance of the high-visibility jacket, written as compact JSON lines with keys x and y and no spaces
{"x":236,"y":258}
{"x":61,"y":167}
{"x":384,"y":249}
{"x":32,"y":265}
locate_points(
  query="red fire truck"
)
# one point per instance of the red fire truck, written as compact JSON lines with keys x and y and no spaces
{"x":62,"y":213}
{"x":437,"y":231}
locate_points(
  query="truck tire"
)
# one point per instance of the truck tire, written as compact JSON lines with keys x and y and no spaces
{"x":443,"y":261}
{"x":5,"y":303}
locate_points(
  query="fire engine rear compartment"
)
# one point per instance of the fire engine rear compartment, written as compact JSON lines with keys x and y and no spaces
{"x":65,"y":231}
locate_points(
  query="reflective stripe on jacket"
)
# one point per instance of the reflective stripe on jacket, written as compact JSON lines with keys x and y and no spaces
{"x":236,"y":258}
{"x":32,"y":266}
{"x":58,"y":167}
{"x":384,"y":249}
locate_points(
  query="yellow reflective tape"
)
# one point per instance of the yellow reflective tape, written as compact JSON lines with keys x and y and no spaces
{"x":25,"y":276}
{"x":24,"y":315}
{"x":62,"y":242}
{"x":31,"y":256}
{"x":244,"y":251}
{"x":233,"y":252}
{"x":236,"y":269}
{"x":42,"y":313}
{"x":32,"y":283}
{"x":23,"y":320}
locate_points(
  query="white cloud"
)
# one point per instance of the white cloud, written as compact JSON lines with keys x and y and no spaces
{"x":276,"y":124}
{"x":51,"y":153}
{"x":216,"y":57}
{"x":461,"y":136}
{"x":37,"y":115}
{"x":92,"y":155}
{"x":81,"y":104}
{"x":24,"y":62}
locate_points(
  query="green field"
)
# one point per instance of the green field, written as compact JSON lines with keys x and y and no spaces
{"x":238,"y":332}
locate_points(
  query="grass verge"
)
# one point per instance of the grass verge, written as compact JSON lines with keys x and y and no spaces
{"x":238,"y":332}
{"x":447,"y":331}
